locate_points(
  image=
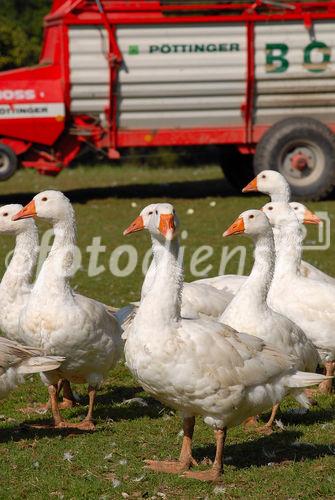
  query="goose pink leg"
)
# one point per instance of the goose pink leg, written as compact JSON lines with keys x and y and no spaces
{"x":185,"y":459}
{"x":215,"y":473}
{"x":68,"y":397}
{"x":268,"y":427}
{"x":88,"y":423}
{"x":327,"y":386}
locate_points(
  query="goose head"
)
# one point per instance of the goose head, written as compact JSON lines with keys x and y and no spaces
{"x":50,"y":205}
{"x":282,"y":214}
{"x":270,"y":182}
{"x":303,"y":214}
{"x":9,"y":226}
{"x":250,"y":222}
{"x":142,"y":221}
{"x":159,"y":218}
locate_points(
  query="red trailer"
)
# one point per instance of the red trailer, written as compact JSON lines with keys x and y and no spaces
{"x":255,"y":79}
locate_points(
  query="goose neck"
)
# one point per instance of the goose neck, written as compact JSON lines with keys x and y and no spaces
{"x":255,"y":289}
{"x":289,"y":247}
{"x":281,"y":194}
{"x":149,"y":279}
{"x":58,"y":266}
{"x":261,"y":274}
{"x":19,"y":271}
{"x":162,"y":302}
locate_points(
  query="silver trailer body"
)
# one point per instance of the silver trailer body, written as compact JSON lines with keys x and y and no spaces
{"x":188,"y":76}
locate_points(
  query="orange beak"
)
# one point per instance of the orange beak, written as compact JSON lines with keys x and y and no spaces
{"x":310,"y":218}
{"x":136,"y":225}
{"x":237,"y":227}
{"x":166,"y":224}
{"x":26,"y":212}
{"x":252,"y":186}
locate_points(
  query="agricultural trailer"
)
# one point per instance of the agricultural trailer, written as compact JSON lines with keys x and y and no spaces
{"x":257,"y":80}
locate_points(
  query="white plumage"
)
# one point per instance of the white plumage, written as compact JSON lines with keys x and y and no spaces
{"x":309,"y":303}
{"x":17,"y":360}
{"x":15,"y":286}
{"x":275,"y":185}
{"x":199,"y":366}
{"x":249,"y":312}
{"x":60,"y":321}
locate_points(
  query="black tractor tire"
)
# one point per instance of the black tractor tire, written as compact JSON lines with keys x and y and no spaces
{"x":296,"y":138}
{"x":237,"y":167}
{"x":8,"y":162}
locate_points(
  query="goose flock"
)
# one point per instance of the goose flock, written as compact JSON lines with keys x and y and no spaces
{"x":226,"y":348}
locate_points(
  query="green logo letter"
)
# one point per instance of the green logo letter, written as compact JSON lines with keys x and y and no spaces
{"x":275,"y":60}
{"x":133,"y":50}
{"x":321,"y":48}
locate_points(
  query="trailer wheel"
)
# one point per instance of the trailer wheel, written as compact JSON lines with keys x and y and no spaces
{"x":237,"y":167}
{"x":8,"y":162}
{"x":303,"y":150}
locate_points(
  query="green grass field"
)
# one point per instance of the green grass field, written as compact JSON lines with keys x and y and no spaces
{"x":297,"y":462}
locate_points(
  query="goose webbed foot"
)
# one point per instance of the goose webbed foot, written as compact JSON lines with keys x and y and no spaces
{"x":250,"y":422}
{"x":39,"y":408}
{"x":61,"y":424}
{"x":86,"y":425}
{"x":185,"y":458}
{"x":213,"y":475}
{"x":170,"y":466}
{"x":265,"y":430}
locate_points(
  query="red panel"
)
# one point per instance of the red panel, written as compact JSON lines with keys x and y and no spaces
{"x":32,"y":104}
{"x":171,"y":137}
{"x":18,"y":147}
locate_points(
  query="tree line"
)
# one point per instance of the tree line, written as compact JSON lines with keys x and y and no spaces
{"x":21,"y":28}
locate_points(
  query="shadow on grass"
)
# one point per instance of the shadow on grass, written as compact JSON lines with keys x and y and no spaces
{"x":315,"y":416}
{"x":25,"y":431}
{"x":278,"y":448}
{"x":114,"y":405}
{"x":174,"y":190}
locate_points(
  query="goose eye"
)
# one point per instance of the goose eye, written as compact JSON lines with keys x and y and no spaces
{"x":156,"y":212}
{"x":44,"y":198}
{"x":270,"y":208}
{"x":295,"y":208}
{"x":263,"y":176}
{"x":251,"y":216}
{"x":150,"y":213}
{"x":5,"y":214}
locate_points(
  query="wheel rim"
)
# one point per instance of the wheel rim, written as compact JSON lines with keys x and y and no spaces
{"x":4,"y":163}
{"x":301,"y":162}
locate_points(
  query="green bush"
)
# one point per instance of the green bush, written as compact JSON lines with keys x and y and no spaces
{"x":21,"y":28}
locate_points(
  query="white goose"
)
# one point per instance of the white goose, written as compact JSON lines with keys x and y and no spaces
{"x":199,"y":366}
{"x":231,"y":283}
{"x":63,"y":322}
{"x":15,"y":286}
{"x":198,"y":298}
{"x":275,"y":185}
{"x":249,"y":312}
{"x":309,"y":303}
{"x":17,"y":360}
